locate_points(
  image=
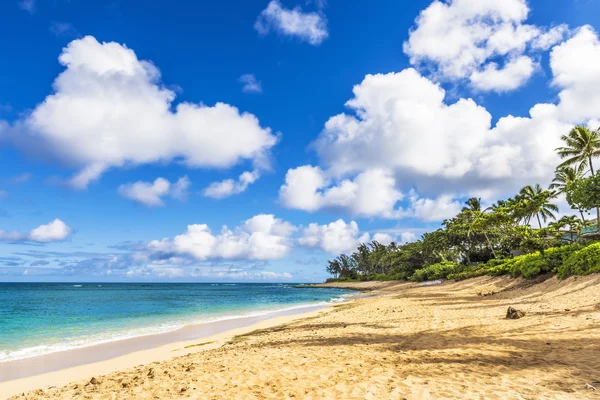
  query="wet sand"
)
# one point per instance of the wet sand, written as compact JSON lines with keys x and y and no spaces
{"x":64,"y":366}
{"x":450,"y":341}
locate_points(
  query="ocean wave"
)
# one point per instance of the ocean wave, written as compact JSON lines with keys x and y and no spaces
{"x":108,"y":337}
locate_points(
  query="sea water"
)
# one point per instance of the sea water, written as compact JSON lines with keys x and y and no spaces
{"x":42,"y":318}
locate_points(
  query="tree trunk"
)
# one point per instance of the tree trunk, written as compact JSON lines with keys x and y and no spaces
{"x":591,"y":165}
{"x":582,"y":217}
{"x":490,"y":244}
{"x":539,"y":221}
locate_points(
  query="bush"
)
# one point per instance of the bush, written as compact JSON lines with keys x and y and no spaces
{"x":436,"y":271}
{"x":531,"y":265}
{"x":474,"y":273}
{"x":557,"y":256}
{"x":582,"y":262}
{"x":342,"y":279}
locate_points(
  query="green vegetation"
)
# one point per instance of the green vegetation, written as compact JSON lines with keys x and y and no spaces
{"x":508,"y":238}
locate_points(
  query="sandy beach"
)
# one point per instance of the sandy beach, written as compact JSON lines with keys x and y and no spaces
{"x":403,"y":341}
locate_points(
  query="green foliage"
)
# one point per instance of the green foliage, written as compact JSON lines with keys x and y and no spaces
{"x":527,"y":266}
{"x":582,"y":262}
{"x":436,"y":271}
{"x":343,"y":279}
{"x":472,"y":273}
{"x":584,"y":194}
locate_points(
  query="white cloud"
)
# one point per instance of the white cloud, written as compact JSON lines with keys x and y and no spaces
{"x":408,"y":237}
{"x":54,"y":231}
{"x":370,"y":193}
{"x":151,"y":193}
{"x":334,"y":238}
{"x":548,"y":39}
{"x":251,"y":84}
{"x":63,"y":29}
{"x":179,"y":190}
{"x":229,"y":273}
{"x":262,"y":237}
{"x":514,"y":74}
{"x":27,"y":5}
{"x":230,"y":187}
{"x":402,"y":124}
{"x":434,"y":210}
{"x":110,"y":109}
{"x":457,"y":38}
{"x":307,"y":26}
{"x":383,"y":238}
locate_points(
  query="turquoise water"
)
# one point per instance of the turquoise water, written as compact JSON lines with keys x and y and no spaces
{"x":41,"y":318}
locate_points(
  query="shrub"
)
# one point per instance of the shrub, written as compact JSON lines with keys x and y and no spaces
{"x":582,"y":262}
{"x":436,"y":271}
{"x":556,"y":256}
{"x":461,"y":276}
{"x":531,"y":265}
{"x":342,"y":279}
{"x":528,"y":265}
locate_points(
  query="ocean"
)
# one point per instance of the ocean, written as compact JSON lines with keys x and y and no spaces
{"x":43,"y":318}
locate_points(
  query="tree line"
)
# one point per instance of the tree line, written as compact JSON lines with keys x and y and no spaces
{"x":525,"y":223}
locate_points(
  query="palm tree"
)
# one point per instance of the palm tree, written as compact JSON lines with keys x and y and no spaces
{"x":582,"y":145}
{"x":538,"y":201}
{"x":563,"y":177}
{"x":572,"y":222}
{"x":473,"y":204}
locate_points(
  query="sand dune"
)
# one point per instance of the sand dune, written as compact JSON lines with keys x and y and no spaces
{"x":440,"y":342}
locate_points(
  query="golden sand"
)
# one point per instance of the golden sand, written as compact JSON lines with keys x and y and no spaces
{"x":450,"y":341}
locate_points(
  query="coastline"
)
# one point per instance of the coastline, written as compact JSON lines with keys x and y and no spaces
{"x":450,"y":341}
{"x":62,"y":367}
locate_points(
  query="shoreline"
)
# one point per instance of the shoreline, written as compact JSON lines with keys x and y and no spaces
{"x":62,"y":367}
{"x":450,"y":341}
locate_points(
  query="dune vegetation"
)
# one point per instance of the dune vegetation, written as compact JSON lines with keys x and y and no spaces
{"x":520,"y":236}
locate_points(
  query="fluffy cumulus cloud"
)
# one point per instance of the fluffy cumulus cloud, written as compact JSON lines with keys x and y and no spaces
{"x":230,"y":187}
{"x":402,"y":125}
{"x":401,"y":122}
{"x":336,"y":237}
{"x":510,"y":77}
{"x":152,"y":194}
{"x":434,"y":210}
{"x":54,"y":231}
{"x":458,"y":38}
{"x":307,"y":26}
{"x":262,"y":237}
{"x":370,"y":193}
{"x":109,"y":109}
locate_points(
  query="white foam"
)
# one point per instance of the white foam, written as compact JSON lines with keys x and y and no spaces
{"x":152,"y":330}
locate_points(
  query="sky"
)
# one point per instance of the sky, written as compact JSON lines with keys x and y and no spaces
{"x":146,"y":140}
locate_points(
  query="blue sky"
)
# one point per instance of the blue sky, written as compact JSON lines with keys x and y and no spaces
{"x":109,"y":153}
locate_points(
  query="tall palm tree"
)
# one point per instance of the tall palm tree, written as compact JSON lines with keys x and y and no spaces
{"x":581,"y":147}
{"x":563,"y":177}
{"x":538,"y":201}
